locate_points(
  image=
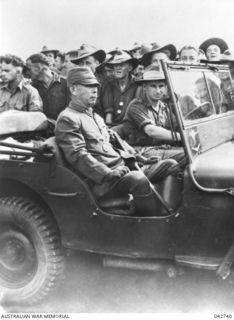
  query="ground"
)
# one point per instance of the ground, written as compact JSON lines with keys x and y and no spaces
{"x":91,"y":288}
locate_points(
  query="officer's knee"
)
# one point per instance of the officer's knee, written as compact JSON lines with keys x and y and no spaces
{"x":139,"y":182}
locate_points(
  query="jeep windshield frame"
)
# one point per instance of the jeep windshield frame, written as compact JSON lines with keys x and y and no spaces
{"x":181,"y":80}
{"x":201,"y":133}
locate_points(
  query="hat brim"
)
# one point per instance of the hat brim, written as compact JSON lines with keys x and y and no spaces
{"x":133,"y":61}
{"x":141,"y":81}
{"x":134,"y":48}
{"x":100,"y":55}
{"x":87,"y":83}
{"x":146,"y":58}
{"x":102,"y":65}
{"x":214,"y":41}
{"x":55,"y":52}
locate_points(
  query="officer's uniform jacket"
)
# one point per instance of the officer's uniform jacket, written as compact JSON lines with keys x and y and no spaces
{"x":84,"y":139}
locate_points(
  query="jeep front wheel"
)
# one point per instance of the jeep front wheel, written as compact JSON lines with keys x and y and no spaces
{"x":31,"y":259}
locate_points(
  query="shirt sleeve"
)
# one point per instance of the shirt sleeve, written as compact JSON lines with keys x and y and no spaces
{"x":139,"y":115}
{"x":71,"y":140}
{"x":34,"y":100}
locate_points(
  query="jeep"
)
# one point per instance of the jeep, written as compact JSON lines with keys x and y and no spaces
{"x":45,"y":206}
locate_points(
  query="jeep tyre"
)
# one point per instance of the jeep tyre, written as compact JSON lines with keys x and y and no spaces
{"x":31,"y":259}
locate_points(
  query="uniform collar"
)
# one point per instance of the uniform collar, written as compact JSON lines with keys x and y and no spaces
{"x":79,"y":106}
{"x":19,"y":86}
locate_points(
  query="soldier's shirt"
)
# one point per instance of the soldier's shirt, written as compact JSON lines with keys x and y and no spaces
{"x":139,"y":114}
{"x":24,"y":98}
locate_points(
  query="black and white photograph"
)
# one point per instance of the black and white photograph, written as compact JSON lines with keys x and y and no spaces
{"x":117,"y":158}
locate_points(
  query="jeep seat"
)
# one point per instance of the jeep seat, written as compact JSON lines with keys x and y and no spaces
{"x":14,"y":121}
{"x":169,"y":188}
{"x":117,"y":205}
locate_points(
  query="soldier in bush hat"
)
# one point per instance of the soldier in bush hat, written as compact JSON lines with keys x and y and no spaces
{"x":147,"y":122}
{"x":135,"y":50}
{"x":139,"y":70}
{"x":104,"y":71}
{"x":167,"y":52}
{"x":89,"y":56}
{"x":213,"y":48}
{"x":116,"y":95}
{"x":86,"y":144}
{"x":51,"y":54}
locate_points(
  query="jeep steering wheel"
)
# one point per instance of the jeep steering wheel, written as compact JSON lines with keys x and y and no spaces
{"x":197,"y":108}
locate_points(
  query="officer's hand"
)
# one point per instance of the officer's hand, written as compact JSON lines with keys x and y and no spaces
{"x":117,"y":173}
{"x":150,"y":160}
{"x":153,"y":159}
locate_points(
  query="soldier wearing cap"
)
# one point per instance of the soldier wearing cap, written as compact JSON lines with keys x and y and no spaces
{"x":117,"y":94}
{"x":51,"y":87}
{"x":91,"y":57}
{"x":147,"y":121}
{"x":85,"y":141}
{"x":167,"y":52}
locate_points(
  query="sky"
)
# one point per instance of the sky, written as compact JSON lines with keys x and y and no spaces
{"x":27,"y":25}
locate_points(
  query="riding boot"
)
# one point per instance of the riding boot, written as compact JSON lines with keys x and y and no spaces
{"x":146,"y":205}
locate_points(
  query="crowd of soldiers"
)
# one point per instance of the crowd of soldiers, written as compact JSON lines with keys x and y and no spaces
{"x":93,"y":100}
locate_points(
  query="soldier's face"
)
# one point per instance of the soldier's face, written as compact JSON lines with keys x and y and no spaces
{"x":156,"y":56}
{"x":213,"y":53}
{"x":89,"y":62}
{"x":156,"y":90}
{"x":34,"y":69}
{"x":67,"y":63}
{"x":189,"y":56}
{"x":8,"y":72}
{"x":122,"y":70}
{"x":109,"y":72}
{"x":58,"y":63}
{"x":50,"y":57}
{"x":136,"y":53}
{"x":201,"y":92}
{"x":87,"y":95}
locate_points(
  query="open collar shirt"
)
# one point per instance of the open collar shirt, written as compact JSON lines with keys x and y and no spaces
{"x":24,"y":98}
{"x":115,"y":101}
{"x":141,"y":113}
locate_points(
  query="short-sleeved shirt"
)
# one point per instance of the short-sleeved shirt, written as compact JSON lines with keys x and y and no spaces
{"x":115,"y":101}
{"x":139,"y":114}
{"x":24,"y":98}
{"x":55,"y":98}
